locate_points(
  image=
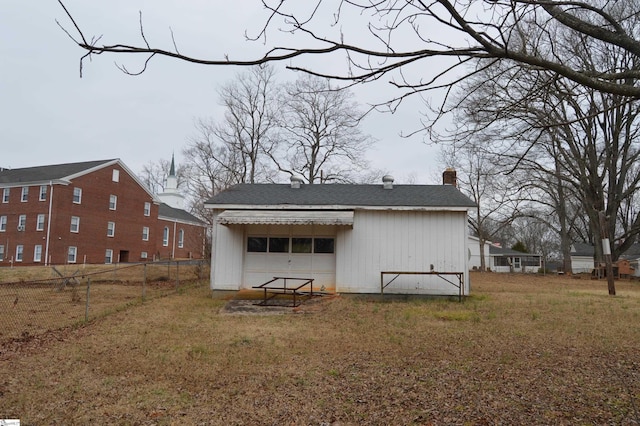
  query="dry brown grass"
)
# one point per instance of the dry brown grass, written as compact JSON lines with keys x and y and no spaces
{"x":520,"y":350}
{"x":32,"y":302}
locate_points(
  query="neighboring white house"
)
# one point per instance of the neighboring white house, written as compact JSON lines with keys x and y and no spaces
{"x":343,"y":236}
{"x":582,"y":258}
{"x":499,"y":259}
{"x":474,"y":253}
{"x":508,"y":260}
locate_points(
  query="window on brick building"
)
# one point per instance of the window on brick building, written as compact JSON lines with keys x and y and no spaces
{"x":108,"y":256}
{"x":113,"y":202}
{"x":43,"y":192}
{"x":75,"y":224}
{"x":77,"y":195}
{"x":37,"y":253}
{"x":165,"y":236}
{"x":22,"y":222}
{"x":3,"y":223}
{"x":40,"y":223}
{"x":19,"y":252}
{"x":5,"y":195}
{"x":72,"y":254}
{"x":181,"y":238}
{"x":145,"y":233}
{"x":25,"y":194}
{"x":147,"y":209}
{"x":111,"y":229}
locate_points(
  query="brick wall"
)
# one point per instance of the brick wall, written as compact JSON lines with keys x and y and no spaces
{"x":94,"y":213}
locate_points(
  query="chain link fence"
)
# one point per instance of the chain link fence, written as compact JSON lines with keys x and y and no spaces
{"x":74,"y":294}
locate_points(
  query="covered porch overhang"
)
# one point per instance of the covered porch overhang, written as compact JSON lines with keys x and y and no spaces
{"x":285,"y":217}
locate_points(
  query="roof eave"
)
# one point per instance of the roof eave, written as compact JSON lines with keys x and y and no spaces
{"x":331,"y":207}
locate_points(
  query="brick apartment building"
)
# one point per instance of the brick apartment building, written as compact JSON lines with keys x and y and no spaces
{"x":90,"y":212}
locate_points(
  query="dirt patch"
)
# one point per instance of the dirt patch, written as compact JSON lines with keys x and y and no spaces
{"x":252,"y":303}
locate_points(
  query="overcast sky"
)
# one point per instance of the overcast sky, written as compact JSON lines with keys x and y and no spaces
{"x":49,"y":115}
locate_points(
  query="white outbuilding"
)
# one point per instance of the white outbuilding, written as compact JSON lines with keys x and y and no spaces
{"x":407,"y":239}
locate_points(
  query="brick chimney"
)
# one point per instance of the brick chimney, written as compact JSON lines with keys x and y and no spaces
{"x":449,"y":177}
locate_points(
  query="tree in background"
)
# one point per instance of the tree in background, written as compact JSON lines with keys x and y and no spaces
{"x":401,"y":39}
{"x":481,"y":178}
{"x":154,"y":175}
{"x":519,"y":246}
{"x":321,"y":140}
{"x":246,"y":136}
{"x":571,"y":142}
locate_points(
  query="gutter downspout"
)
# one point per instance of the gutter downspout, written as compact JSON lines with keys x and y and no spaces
{"x":173,"y":245}
{"x":46,"y":250}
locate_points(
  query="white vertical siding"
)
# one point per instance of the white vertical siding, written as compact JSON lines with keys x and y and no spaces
{"x":581,"y":264}
{"x":226,"y":257}
{"x":408,"y":241}
{"x":233,"y":268}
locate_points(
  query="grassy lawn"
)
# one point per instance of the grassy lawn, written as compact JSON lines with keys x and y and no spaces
{"x":520,"y":350}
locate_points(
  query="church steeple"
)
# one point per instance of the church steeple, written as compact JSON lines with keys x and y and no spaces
{"x":171,"y":195}
{"x":172,"y":171}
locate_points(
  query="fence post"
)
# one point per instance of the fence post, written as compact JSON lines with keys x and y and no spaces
{"x":177,"y":274}
{"x":144,"y":283}
{"x":86,"y":308}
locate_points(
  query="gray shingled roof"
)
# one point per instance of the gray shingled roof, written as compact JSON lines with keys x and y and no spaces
{"x":341,"y":195}
{"x":508,"y":252}
{"x":167,"y":211}
{"x":46,"y":173}
{"x":582,"y":249}
{"x":587,"y":250}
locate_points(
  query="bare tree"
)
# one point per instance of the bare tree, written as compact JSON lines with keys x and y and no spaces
{"x":210,"y":168}
{"x":247,"y":131}
{"x":321,"y":136}
{"x":583,"y":141}
{"x":480,"y":177}
{"x":154,"y":175}
{"x":403,"y":36}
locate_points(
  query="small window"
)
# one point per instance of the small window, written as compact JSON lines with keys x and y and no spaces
{"x":75,"y":224}
{"x":165,"y":236}
{"x":257,"y":244}
{"x":25,"y":194}
{"x":19,"y":252}
{"x":143,"y":255}
{"x":278,"y":245}
{"x":108,"y":256}
{"x":77,"y":195}
{"x":37,"y":253}
{"x":181,"y":238}
{"x":3,"y":223}
{"x":40,"y":223}
{"x":115,"y":175}
{"x":71,"y":254}
{"x":1,"y":252}
{"x":147,"y":209}
{"x":22,"y":222}
{"x":323,"y":245}
{"x":113,"y":202}
{"x":111,"y":229}
{"x":145,"y":233}
{"x":5,"y":195}
{"x":43,"y":193}
{"x":301,"y":245}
